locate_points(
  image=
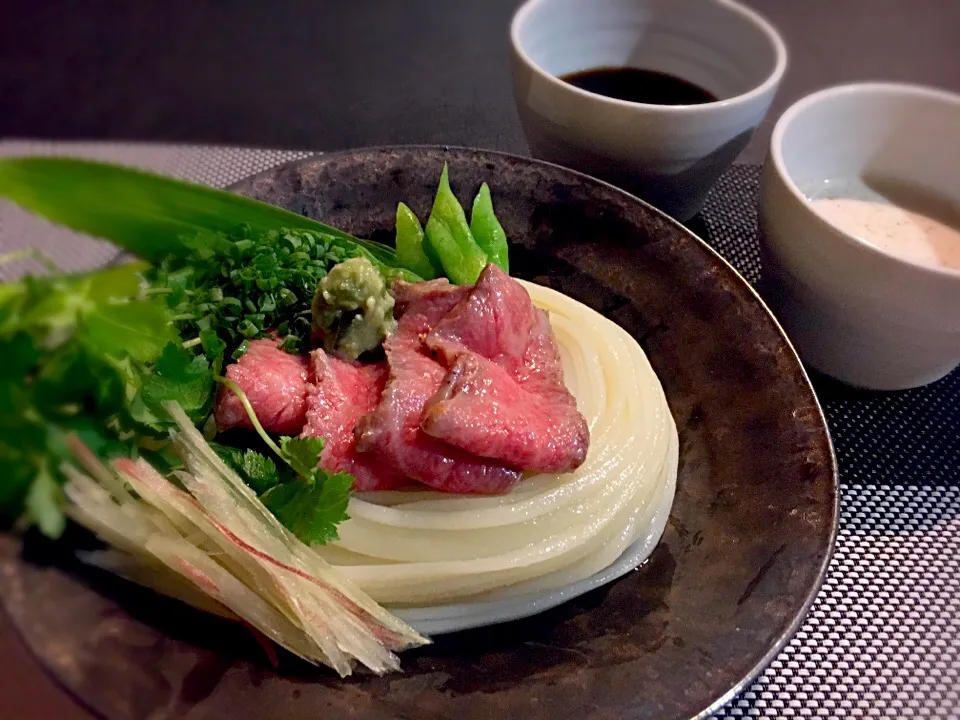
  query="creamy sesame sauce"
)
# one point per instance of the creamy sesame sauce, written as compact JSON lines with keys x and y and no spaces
{"x":892,"y":228}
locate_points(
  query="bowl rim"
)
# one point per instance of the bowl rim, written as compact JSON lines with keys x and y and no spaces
{"x":871,"y":88}
{"x":749,"y":15}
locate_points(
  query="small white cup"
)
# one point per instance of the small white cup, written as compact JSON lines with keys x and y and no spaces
{"x":855,"y":312}
{"x":668,"y":155}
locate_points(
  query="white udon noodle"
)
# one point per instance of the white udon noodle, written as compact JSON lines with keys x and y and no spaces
{"x":426,"y":548}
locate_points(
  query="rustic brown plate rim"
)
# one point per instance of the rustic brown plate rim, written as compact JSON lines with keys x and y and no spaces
{"x":821,"y":574}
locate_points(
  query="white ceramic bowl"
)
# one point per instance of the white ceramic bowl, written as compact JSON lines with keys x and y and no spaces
{"x":855,"y":312}
{"x":668,"y":155}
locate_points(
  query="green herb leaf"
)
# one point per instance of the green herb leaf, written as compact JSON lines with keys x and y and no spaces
{"x":56,"y":303}
{"x":138,"y":329}
{"x":74,"y":349}
{"x":302,"y":454}
{"x":72,"y":375}
{"x":311,"y":508}
{"x":118,"y":282}
{"x":256,"y":470}
{"x":43,"y":503}
{"x":182,"y":378}
{"x":232,"y":456}
{"x":314,"y":504}
{"x":259,"y":471}
{"x":20,"y":353}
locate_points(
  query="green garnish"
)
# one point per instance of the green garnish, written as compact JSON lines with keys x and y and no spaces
{"x":305,"y":498}
{"x":411,"y":251}
{"x":77,"y":352}
{"x":183,"y":378}
{"x":244,"y":286}
{"x":352,"y":309}
{"x":258,"y":471}
{"x":311,"y":508}
{"x":448,"y":235}
{"x":152,"y":216}
{"x":314,"y":504}
{"x":302,"y":454}
{"x":487,"y":230}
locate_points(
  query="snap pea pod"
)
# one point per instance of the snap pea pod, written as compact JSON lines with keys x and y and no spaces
{"x":442,"y":243}
{"x":486,"y":230}
{"x":448,"y":234}
{"x":410,"y":246}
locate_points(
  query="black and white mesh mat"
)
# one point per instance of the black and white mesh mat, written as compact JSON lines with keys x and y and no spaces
{"x":883,"y":637}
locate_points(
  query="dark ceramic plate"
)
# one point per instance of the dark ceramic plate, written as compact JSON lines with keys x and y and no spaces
{"x":743,"y":555}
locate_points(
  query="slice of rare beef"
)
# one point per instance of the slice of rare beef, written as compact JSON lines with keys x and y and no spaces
{"x":504,"y":397}
{"x":426,"y":301}
{"x":482,"y":409}
{"x":340,"y":394}
{"x":275,"y":383}
{"x":392,"y":431}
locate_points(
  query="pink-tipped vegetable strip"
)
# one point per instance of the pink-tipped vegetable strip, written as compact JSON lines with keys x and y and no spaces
{"x":215,"y":546}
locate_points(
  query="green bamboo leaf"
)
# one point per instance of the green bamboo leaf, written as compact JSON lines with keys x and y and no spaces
{"x":149,"y":215}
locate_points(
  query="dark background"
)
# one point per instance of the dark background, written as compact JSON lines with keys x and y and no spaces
{"x":345,"y":73}
{"x":337,"y":73}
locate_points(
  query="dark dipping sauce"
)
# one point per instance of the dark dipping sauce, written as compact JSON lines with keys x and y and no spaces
{"x":642,"y":86}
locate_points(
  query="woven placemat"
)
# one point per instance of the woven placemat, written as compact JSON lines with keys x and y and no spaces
{"x":883,"y":637}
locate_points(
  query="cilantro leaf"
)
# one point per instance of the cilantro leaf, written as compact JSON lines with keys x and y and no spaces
{"x":59,"y":302}
{"x":302,"y":454}
{"x":260,"y":471}
{"x":231,"y":456}
{"x":72,"y":374}
{"x":311,"y":508}
{"x":180,"y":377}
{"x":256,"y":470}
{"x":157,"y":421}
{"x":43,"y":503}
{"x":75,"y":349}
{"x":312,"y":505}
{"x":138,"y":329}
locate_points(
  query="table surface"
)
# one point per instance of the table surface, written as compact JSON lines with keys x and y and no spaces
{"x":328,"y":75}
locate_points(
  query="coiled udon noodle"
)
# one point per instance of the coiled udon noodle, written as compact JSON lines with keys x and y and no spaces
{"x":427,"y":548}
